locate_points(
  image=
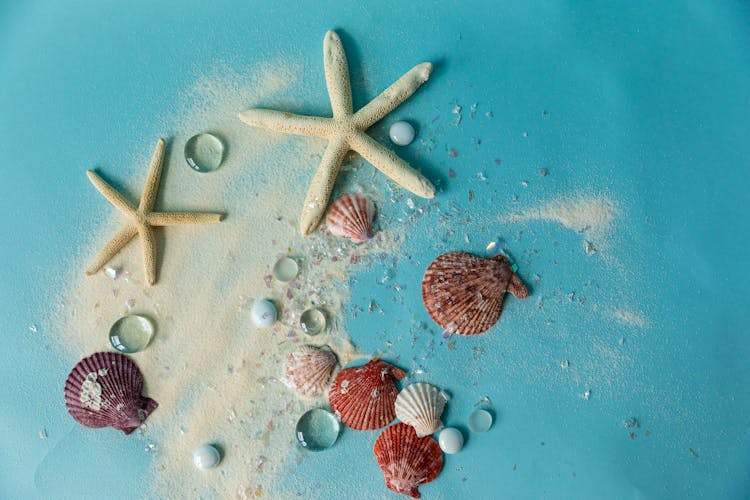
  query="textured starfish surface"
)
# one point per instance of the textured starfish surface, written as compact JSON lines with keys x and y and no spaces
{"x":142,"y":219}
{"x":345,"y":131}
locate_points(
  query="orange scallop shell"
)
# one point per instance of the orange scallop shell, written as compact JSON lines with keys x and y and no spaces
{"x":309,"y":370}
{"x":351,"y":217}
{"x":407,"y":461}
{"x":464,"y":293}
{"x":364,"y":397}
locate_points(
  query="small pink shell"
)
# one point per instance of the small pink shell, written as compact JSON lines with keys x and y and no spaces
{"x":364,"y":397}
{"x":309,"y":370}
{"x":104,"y":389}
{"x":406,"y":460}
{"x":351,"y":217}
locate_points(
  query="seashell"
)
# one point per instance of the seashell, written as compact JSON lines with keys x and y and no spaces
{"x":104,"y":389}
{"x":406,"y":460}
{"x":364,"y":397}
{"x":464,"y":293}
{"x":309,"y":370}
{"x":351,"y":217}
{"x":421,"y":405}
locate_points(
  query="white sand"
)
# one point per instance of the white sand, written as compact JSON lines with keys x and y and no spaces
{"x":631,"y":318}
{"x":590,"y":215}
{"x":214,"y":375}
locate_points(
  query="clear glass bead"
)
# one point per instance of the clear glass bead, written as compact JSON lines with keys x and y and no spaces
{"x":131,"y":333}
{"x":312,"y":321}
{"x":285,"y":269}
{"x":204,"y":152}
{"x":317,"y":430}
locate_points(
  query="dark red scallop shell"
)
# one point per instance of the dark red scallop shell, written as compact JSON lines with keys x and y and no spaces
{"x":407,"y":461}
{"x":364,"y":397}
{"x":104,"y":389}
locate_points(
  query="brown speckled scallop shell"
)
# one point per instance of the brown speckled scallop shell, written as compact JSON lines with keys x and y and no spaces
{"x":464,"y":293}
{"x":407,"y":461}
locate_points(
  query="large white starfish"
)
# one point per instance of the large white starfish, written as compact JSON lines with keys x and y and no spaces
{"x":142,"y":219}
{"x":346,"y":131}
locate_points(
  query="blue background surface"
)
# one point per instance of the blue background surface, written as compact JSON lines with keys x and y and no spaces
{"x":646,"y":103}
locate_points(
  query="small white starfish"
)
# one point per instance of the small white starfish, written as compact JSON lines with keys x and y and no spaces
{"x":142,"y":219}
{"x":346,"y":131}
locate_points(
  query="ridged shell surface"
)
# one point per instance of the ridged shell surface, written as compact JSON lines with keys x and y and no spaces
{"x":407,"y":461}
{"x":364,"y":397}
{"x":309,"y":370}
{"x":104,"y":389}
{"x":351,"y":217}
{"x":464,"y":293}
{"x":421,"y":406}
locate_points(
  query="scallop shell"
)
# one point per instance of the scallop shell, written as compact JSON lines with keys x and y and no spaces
{"x":351,"y":217}
{"x":407,"y":461}
{"x":363,"y":397}
{"x":464,"y":293}
{"x":104,"y":389}
{"x":421,"y":406}
{"x":309,"y":370}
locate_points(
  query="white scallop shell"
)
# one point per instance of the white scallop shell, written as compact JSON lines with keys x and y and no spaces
{"x":421,"y":406}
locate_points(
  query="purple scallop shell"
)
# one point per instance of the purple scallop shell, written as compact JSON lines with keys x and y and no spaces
{"x":104,"y":389}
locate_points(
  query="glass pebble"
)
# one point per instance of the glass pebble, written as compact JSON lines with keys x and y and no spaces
{"x":312,"y":321}
{"x":402,"y":133}
{"x":285,"y":269}
{"x":263,"y":313}
{"x":131,"y":333}
{"x":451,"y":440}
{"x":112,"y":272}
{"x":317,"y":430}
{"x":206,"y":457}
{"x":204,"y":152}
{"x":480,"y":421}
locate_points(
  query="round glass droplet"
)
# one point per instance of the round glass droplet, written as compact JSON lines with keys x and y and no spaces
{"x":317,"y":430}
{"x":451,"y":440}
{"x":206,"y":457}
{"x":131,"y":333}
{"x":312,"y":321}
{"x":480,"y":421}
{"x":285,"y":269}
{"x":204,"y":152}
{"x":263,"y":313}
{"x":402,"y":133}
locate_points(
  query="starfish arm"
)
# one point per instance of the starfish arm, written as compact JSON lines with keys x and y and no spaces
{"x":115,"y":198}
{"x":151,"y":188}
{"x":391,"y":165}
{"x":288,"y":123}
{"x":337,"y":75}
{"x":178,"y":218}
{"x":393,"y":96}
{"x":148,"y":242}
{"x":322,"y":185}
{"x":114,"y":245}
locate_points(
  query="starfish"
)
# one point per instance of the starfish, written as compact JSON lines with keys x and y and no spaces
{"x":143,"y":219}
{"x":345,"y":131}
